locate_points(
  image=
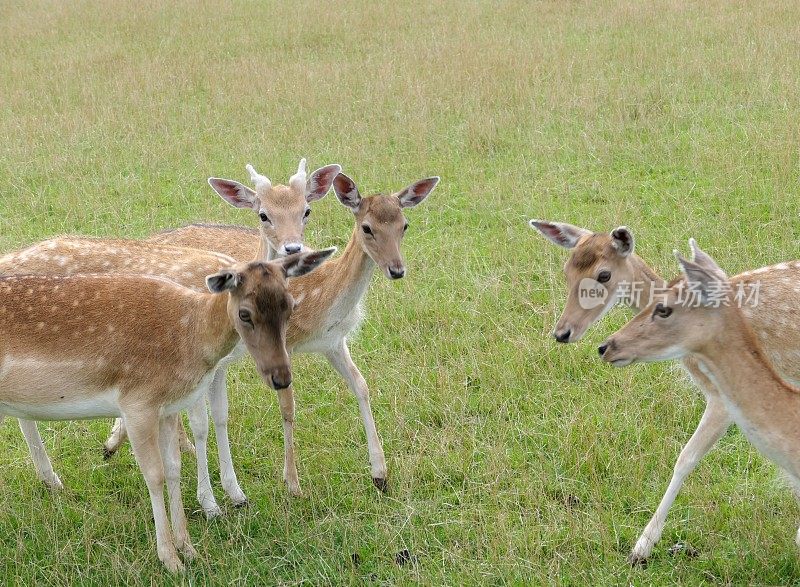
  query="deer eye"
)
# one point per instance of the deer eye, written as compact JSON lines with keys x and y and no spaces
{"x":662,"y":311}
{"x":308,"y":213}
{"x":245,"y":316}
{"x":405,"y":227}
{"x":366,"y":229}
{"x":264,"y":217}
{"x":604,"y":276}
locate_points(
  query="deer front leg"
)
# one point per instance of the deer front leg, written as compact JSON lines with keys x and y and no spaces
{"x":198,"y":421}
{"x":171,"y":457}
{"x":286,"y":402}
{"x":218,"y":401}
{"x":714,"y":423}
{"x":41,"y":462}
{"x":143,"y":429}
{"x":340,"y":359}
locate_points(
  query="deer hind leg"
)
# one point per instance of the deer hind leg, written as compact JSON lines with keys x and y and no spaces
{"x":41,"y":462}
{"x":218,"y":402}
{"x":119,"y":434}
{"x":143,"y":429}
{"x":714,"y":423}
{"x":198,"y":420}
{"x":340,"y":359}
{"x":171,"y":457}
{"x":286,"y":402}
{"x":184,"y":443}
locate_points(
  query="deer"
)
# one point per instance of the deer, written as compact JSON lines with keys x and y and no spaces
{"x":142,"y":348}
{"x":608,"y":259}
{"x":329,"y":304}
{"x":699,"y":316}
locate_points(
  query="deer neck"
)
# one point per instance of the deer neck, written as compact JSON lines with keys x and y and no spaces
{"x":353,"y":270}
{"x":645,"y":284}
{"x":736,"y":363}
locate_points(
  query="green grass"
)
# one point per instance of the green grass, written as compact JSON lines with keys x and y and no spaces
{"x":512,"y":459}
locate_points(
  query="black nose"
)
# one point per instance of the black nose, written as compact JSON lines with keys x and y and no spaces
{"x":396,"y":273}
{"x":602,"y":349}
{"x":292,"y":248}
{"x":562,"y":336}
{"x":280,"y":382}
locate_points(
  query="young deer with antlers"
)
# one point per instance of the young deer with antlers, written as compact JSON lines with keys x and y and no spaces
{"x":609,"y":259}
{"x":142,"y":348}
{"x":283,"y":212}
{"x":329,"y":302}
{"x":699,"y":316}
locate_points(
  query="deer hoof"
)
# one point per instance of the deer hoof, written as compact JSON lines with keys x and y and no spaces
{"x":381,"y":483}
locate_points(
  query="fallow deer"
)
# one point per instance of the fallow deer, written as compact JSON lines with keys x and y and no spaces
{"x":609,"y":259}
{"x":73,"y":255}
{"x":141,"y":348}
{"x":699,"y":316}
{"x":329,"y":303}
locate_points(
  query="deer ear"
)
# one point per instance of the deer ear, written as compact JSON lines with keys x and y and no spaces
{"x":301,"y":263}
{"x":234,"y":193}
{"x":346,"y":191}
{"x":320,"y":182}
{"x":416,"y":192}
{"x":224,"y":280}
{"x":622,"y":240}
{"x":703,"y":274}
{"x":560,"y":233}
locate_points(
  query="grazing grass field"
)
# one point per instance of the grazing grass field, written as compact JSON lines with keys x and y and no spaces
{"x":512,"y":459}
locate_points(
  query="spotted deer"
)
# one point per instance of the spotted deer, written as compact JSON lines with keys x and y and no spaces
{"x":329,"y":301}
{"x":75,"y":255}
{"x":709,"y":326}
{"x":141,"y":348}
{"x":609,"y":259}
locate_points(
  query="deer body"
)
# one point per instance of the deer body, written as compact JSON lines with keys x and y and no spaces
{"x":765,"y":407}
{"x":593,"y":253}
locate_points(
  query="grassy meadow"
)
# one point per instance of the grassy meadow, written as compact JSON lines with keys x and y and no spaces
{"x":512,"y":459}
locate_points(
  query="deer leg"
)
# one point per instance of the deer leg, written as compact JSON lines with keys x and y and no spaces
{"x":198,"y":421}
{"x":340,"y":359}
{"x":119,"y":434}
{"x":286,"y":402}
{"x":184,"y":443}
{"x":143,"y":429}
{"x":218,"y":401}
{"x":41,"y":462}
{"x":171,"y":457}
{"x":714,"y":423}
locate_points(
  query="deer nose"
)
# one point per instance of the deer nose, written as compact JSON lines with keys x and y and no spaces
{"x":292,"y":248}
{"x":397,"y":273}
{"x":601,"y":350}
{"x":281,"y":380}
{"x":562,"y":336}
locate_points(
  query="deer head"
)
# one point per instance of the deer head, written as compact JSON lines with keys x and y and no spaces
{"x":283,"y":211}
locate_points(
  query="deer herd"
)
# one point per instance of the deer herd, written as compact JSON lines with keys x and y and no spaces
{"x":141,"y":330}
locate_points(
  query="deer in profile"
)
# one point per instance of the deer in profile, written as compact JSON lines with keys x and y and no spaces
{"x":609,"y":259}
{"x":699,"y":316}
{"x":141,"y":348}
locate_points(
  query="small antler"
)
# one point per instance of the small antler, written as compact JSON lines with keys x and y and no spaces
{"x":261,"y":181}
{"x":298,"y":180}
